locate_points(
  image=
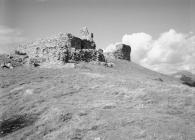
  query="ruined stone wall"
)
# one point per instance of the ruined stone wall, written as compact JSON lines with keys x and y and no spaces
{"x":64,"y":48}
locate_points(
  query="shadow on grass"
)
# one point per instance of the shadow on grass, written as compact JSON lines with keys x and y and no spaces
{"x":15,"y":123}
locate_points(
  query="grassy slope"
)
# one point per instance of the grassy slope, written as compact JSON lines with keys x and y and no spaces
{"x":97,"y":103}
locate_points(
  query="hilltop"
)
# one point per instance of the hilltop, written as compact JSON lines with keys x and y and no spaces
{"x":62,"y":89}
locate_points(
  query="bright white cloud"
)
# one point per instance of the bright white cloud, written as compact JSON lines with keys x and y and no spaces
{"x":169,"y":53}
{"x":9,"y":38}
{"x":142,"y":41}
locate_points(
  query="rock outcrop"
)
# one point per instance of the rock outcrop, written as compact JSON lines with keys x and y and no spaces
{"x":190,"y":81}
{"x":121,"y":51}
{"x":185,"y":77}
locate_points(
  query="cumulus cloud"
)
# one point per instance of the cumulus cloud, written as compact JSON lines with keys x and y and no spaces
{"x":142,"y":41}
{"x":9,"y":38}
{"x":170,"y":53}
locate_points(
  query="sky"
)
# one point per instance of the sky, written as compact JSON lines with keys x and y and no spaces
{"x":157,"y":30}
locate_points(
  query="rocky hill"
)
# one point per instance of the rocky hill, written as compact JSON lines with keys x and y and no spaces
{"x":90,"y":101}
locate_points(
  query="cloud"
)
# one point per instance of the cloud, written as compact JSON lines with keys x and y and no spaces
{"x":9,"y":38}
{"x":142,"y":41}
{"x":170,"y":53}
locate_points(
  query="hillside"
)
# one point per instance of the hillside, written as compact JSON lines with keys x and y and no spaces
{"x":93,"y":102}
